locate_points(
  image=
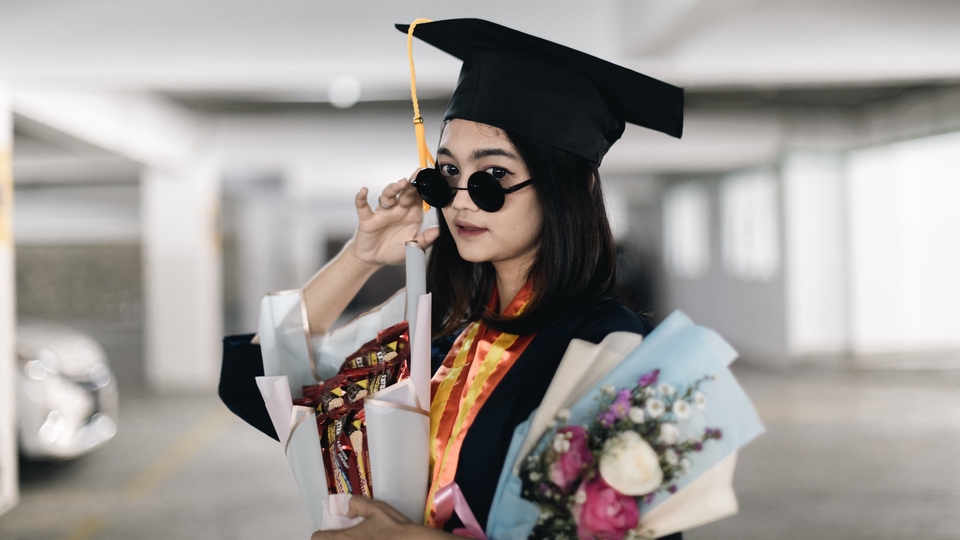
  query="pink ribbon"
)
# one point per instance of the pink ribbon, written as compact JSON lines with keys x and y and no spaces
{"x":449,"y":499}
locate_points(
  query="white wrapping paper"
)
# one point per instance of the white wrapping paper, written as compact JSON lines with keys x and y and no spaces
{"x":331,"y":349}
{"x":416,"y":266}
{"x":398,"y":430}
{"x":284,"y":341}
{"x":297,"y":429}
{"x":420,"y":369}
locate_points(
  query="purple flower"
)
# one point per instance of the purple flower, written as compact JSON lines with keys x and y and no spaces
{"x":648,"y":379}
{"x":672,"y":489}
{"x":621,"y":405}
{"x":711,"y":433}
{"x":619,"y":409}
{"x":697,"y":446}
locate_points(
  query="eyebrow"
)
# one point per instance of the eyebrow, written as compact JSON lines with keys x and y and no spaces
{"x":480,"y":153}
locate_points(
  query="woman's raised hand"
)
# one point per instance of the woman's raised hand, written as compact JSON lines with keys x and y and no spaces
{"x":379,"y":240}
{"x":382,"y":232}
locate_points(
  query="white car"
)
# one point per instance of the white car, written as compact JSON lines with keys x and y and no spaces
{"x":66,"y":394}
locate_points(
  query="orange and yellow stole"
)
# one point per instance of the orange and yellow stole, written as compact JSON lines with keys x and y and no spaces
{"x":476,"y":363}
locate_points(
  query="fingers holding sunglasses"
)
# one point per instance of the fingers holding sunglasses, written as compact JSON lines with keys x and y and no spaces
{"x":388,"y":197}
{"x":400,"y":193}
{"x":409,"y":196}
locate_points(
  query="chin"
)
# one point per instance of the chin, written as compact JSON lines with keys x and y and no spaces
{"x":472,"y":256}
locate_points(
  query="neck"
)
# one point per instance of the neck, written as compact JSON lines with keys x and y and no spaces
{"x":510,"y":279}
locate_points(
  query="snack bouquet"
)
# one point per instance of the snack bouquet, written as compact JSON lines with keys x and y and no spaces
{"x":341,"y":419}
{"x":348,"y":406}
{"x":633,"y":440}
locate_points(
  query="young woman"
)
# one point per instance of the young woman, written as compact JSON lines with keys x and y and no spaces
{"x":523,"y":259}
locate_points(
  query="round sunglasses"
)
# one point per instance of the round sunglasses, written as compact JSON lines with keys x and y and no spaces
{"x":483,"y":187}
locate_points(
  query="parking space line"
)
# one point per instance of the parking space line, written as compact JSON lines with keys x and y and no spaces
{"x":182,"y":451}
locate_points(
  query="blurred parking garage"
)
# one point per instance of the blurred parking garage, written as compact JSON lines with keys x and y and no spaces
{"x":163,"y":164}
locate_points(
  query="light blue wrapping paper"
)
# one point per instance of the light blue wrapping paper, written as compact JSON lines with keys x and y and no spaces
{"x":683,"y":352}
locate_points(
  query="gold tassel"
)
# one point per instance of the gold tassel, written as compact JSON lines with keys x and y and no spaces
{"x":422,"y":150}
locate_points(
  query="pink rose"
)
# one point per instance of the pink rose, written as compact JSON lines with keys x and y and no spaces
{"x":603,"y":512}
{"x":573,"y":456}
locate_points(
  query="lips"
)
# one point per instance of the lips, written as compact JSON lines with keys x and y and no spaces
{"x":467,"y":229}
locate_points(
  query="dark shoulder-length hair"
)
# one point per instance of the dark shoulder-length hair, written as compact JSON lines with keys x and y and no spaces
{"x":576,"y":259}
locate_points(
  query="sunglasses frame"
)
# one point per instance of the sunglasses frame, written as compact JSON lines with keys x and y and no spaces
{"x":473,"y":188}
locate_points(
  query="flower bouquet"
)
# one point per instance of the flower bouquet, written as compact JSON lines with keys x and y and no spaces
{"x":633,"y":440}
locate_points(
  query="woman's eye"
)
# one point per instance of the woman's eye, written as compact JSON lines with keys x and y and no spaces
{"x":497,"y":172}
{"x":449,"y":170}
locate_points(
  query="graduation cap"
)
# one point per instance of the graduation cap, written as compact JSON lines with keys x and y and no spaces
{"x":553,"y":94}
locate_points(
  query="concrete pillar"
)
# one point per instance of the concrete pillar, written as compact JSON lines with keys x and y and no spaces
{"x":182,"y":276}
{"x":8,"y":360}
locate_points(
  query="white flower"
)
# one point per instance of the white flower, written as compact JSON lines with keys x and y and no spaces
{"x":630,"y":465}
{"x":609,"y":389}
{"x":655,"y":408}
{"x":563,"y":415}
{"x":649,"y":392}
{"x":681,"y":408}
{"x":691,"y":439}
{"x":701,"y":400}
{"x":685,"y":465}
{"x":670,"y":456}
{"x":666,"y":389}
{"x":637,"y":416}
{"x":669,"y":433}
{"x":535,"y":476}
{"x":561,"y":444}
{"x":580,"y":497}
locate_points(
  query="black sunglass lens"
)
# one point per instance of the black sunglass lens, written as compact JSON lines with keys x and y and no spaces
{"x":485,"y":191}
{"x":433,"y":188}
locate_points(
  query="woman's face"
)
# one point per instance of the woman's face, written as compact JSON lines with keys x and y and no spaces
{"x":508,"y":237}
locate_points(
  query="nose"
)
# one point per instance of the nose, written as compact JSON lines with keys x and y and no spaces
{"x":462,"y":200}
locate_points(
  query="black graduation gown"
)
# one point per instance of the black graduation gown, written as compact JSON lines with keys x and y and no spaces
{"x":512,"y":401}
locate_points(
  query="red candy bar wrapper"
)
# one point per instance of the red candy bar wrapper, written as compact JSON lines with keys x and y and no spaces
{"x":338,"y":401}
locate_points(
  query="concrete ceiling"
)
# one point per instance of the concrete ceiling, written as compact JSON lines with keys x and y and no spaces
{"x":105,"y":72}
{"x":292,"y":50}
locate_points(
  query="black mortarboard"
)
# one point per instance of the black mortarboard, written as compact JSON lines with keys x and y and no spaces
{"x":548,"y":92}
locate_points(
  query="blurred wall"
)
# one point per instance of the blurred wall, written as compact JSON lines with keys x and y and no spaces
{"x":852,"y":239}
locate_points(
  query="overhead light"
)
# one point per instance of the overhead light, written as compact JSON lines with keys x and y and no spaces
{"x":344,"y":92}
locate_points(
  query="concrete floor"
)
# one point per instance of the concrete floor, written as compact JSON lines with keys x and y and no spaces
{"x":848,"y":455}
